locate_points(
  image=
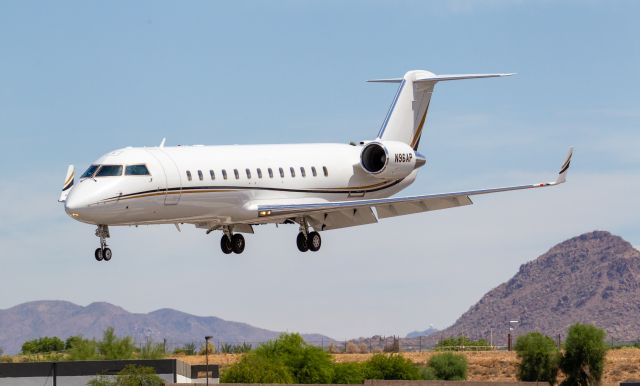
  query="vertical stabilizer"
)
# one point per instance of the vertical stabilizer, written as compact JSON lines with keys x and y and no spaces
{"x":408,"y":112}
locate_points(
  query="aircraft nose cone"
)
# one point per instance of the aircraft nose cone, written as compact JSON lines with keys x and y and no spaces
{"x":75,"y":206}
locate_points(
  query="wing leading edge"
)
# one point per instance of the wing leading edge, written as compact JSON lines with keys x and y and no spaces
{"x":333,"y":215}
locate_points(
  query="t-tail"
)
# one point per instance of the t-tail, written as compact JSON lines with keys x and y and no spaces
{"x":408,"y":112}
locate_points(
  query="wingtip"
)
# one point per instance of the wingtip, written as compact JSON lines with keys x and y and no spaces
{"x":564,"y":169}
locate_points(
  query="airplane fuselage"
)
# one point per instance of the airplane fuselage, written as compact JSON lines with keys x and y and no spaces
{"x":222,"y":184}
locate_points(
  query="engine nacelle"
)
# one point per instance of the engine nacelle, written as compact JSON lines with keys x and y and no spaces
{"x":389,"y":159}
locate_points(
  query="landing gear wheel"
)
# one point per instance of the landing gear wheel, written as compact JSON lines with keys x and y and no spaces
{"x":106,"y":254}
{"x":314,"y":241}
{"x":237,"y":243}
{"x":98,"y":254}
{"x":225,"y":245}
{"x":302,"y":242}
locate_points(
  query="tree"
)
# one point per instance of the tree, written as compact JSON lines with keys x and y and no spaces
{"x":348,"y":373}
{"x":448,"y":366}
{"x":539,"y":358}
{"x":152,"y":350}
{"x":131,"y":375}
{"x":71,"y":341}
{"x":43,"y":345}
{"x":307,"y":363}
{"x":394,"y":366}
{"x":83,"y":349}
{"x":112,"y":347}
{"x":287,"y":359}
{"x":583,"y":359}
{"x":253,"y":368}
{"x":187,"y":349}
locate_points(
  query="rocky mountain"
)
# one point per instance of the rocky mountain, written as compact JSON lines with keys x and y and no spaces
{"x":427,"y":332}
{"x":593,"y":278}
{"x":59,"y":318}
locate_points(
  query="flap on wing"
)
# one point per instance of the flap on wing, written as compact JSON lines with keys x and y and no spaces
{"x":410,"y":207}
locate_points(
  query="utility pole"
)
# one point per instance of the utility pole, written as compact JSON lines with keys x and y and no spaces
{"x":206,"y":354}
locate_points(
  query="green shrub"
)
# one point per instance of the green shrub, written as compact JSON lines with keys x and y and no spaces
{"x":448,"y":366}
{"x":539,"y":358}
{"x":187,"y":349}
{"x":307,"y":363}
{"x":83,"y":349}
{"x":583,"y":359}
{"x":152,"y":350}
{"x":253,"y":368}
{"x":43,"y":345}
{"x":131,"y":375}
{"x":111,"y":347}
{"x":388,"y":367}
{"x":348,"y":373}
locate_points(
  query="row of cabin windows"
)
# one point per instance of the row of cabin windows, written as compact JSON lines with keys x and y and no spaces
{"x":236,"y":173}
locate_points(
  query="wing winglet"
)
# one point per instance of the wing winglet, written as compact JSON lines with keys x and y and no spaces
{"x":564,"y":169}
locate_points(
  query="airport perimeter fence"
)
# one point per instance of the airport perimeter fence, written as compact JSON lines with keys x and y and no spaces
{"x":356,"y":346}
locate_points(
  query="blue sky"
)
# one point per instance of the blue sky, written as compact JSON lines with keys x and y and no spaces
{"x":78,"y":79}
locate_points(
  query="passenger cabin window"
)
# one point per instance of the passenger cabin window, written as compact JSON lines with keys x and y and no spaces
{"x":212,"y":174}
{"x":270,"y":173}
{"x":136,"y":170}
{"x":293,"y":171}
{"x":302,"y":172}
{"x":109,"y":171}
{"x":188,"y":175}
{"x":326,"y":172}
{"x":281,"y":173}
{"x":90,"y":171}
{"x":259,"y":173}
{"x":248,"y":173}
{"x":313,"y":171}
{"x":235,"y":172}
{"x":200,"y":177}
{"x":224,"y":174}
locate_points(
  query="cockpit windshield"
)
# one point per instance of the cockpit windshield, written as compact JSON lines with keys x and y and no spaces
{"x":136,"y":170}
{"x":109,"y":171}
{"x":89,"y":172}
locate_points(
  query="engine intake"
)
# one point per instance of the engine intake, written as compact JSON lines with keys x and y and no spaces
{"x":389,"y":159}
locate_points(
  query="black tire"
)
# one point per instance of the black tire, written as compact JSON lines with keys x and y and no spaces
{"x":314,"y":241}
{"x":98,"y":254}
{"x":106,"y":254}
{"x":237,"y":243}
{"x":302,"y":242}
{"x":225,"y":245}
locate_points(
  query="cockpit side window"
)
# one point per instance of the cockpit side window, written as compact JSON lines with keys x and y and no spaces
{"x":109,"y":171}
{"x":90,"y":171}
{"x":136,"y":170}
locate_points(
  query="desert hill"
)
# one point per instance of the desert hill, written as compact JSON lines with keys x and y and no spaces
{"x":59,"y":318}
{"x":593,"y":278}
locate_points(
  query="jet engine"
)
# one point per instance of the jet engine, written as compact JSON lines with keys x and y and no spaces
{"x":390,"y":159}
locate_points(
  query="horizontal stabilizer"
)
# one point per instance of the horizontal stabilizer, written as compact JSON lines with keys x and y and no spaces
{"x":440,"y":78}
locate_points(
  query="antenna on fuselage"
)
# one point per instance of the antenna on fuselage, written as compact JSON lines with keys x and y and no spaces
{"x":162,"y":142}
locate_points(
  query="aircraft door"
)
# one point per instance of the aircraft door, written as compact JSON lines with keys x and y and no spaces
{"x":172,"y":178}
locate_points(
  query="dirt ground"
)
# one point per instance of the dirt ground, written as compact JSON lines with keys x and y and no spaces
{"x":621,"y":364}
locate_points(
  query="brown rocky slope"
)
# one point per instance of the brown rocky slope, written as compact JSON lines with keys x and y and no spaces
{"x":593,"y":278}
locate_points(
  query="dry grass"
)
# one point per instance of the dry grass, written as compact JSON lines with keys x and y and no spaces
{"x":621,"y":364}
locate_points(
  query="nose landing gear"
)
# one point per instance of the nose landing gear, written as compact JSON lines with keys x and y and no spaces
{"x":103,"y":253}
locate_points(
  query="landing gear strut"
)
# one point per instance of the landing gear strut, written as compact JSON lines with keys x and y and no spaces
{"x":231,"y":242}
{"x":103,"y":253}
{"x":307,"y":241}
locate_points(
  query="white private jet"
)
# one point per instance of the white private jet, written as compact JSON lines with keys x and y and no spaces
{"x":233,"y":188}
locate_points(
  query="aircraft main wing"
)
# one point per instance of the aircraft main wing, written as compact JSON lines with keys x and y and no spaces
{"x":333,"y":215}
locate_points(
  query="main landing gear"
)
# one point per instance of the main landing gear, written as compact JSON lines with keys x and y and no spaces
{"x":103,"y":253}
{"x":231,"y":242}
{"x":307,"y":241}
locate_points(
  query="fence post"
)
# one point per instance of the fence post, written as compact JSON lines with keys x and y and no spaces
{"x":420,"y":343}
{"x":509,"y":342}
